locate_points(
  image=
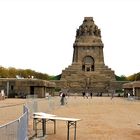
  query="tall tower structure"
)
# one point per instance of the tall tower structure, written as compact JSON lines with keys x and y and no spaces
{"x":88,"y":70}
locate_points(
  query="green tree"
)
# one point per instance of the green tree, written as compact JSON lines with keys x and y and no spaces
{"x":121,"y":78}
{"x":134,"y":77}
{"x":3,"y":72}
{"x":57,"y":77}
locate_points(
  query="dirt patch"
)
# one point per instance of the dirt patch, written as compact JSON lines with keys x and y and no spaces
{"x":101,"y":118}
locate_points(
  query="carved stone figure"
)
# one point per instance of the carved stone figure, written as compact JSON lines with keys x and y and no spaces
{"x":88,"y":28}
{"x":91,"y":30}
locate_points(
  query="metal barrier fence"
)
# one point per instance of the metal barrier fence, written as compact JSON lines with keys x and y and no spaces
{"x":16,"y":130}
{"x":23,"y":125}
{"x":42,"y":105}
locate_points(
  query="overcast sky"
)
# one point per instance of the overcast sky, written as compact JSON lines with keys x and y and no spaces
{"x":39,"y":34}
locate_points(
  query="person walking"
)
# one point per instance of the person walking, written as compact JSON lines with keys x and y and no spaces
{"x":83,"y":94}
{"x":62,"y":100}
{"x":91,"y":95}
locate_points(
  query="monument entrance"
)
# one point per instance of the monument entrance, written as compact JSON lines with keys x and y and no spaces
{"x":88,"y":71}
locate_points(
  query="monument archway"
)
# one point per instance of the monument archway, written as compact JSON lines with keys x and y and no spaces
{"x":88,"y":64}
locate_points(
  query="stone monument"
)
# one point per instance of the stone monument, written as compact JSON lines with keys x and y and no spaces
{"x":88,"y":71}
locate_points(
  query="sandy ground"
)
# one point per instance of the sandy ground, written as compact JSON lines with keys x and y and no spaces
{"x":10,"y":109}
{"x":101,"y":118}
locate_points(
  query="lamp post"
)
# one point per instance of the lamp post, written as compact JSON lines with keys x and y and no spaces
{"x":7,"y":88}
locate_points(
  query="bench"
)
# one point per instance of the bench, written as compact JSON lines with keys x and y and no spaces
{"x":42,"y":114}
{"x":40,"y":117}
{"x":44,"y":118}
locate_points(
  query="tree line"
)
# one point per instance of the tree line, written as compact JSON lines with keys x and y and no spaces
{"x":12,"y":72}
{"x":22,"y":73}
{"x":133,"y":77}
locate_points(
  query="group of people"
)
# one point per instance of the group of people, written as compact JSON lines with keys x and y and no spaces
{"x":63,"y":99}
{"x":86,"y":94}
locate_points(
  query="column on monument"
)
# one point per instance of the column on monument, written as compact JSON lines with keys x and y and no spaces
{"x":101,"y":55}
{"x":75,"y":54}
